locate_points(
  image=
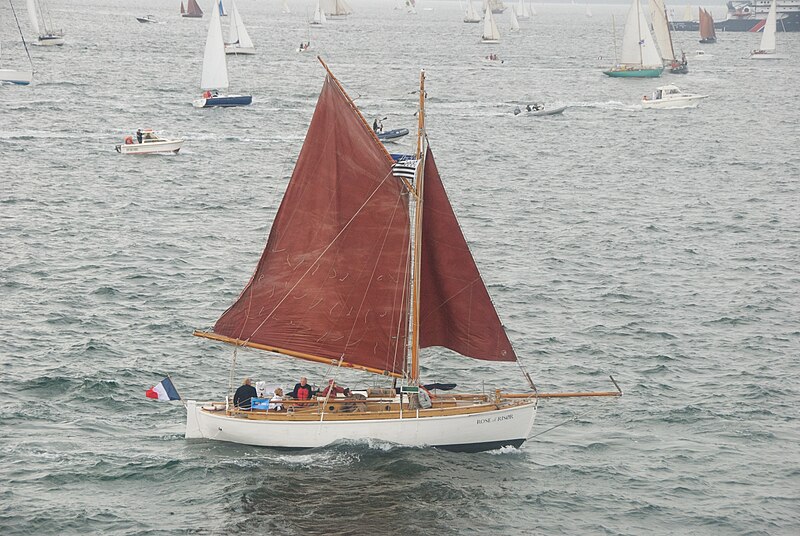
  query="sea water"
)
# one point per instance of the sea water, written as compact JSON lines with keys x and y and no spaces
{"x":661,"y":247}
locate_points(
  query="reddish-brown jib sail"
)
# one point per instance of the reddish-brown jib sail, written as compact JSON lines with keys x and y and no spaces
{"x":455,"y":308}
{"x":332,"y":281}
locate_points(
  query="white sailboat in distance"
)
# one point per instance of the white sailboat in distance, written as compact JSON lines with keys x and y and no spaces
{"x":238,"y":40}
{"x":215,"y":71}
{"x":491,"y":35}
{"x":42,"y":23}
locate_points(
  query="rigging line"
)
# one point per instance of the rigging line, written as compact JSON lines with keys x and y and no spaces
{"x":574,"y":418}
{"x":324,"y":251}
{"x":28,"y":52}
{"x":372,"y":278}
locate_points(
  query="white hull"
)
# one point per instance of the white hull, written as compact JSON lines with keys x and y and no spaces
{"x":154,"y":147}
{"x":468,"y":432}
{"x":689,"y":101}
{"x":13,"y":76}
{"x":765,"y":56}
{"x":232,"y":49}
{"x":490,"y":41}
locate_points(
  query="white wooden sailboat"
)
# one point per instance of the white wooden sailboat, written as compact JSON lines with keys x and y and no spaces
{"x":21,"y":77}
{"x":215,"y":71}
{"x":336,"y":9}
{"x":767,"y":50}
{"x":514,"y":21}
{"x":42,"y":23}
{"x":238,"y":40}
{"x":640,"y":57}
{"x":319,"y":16}
{"x":491,"y":35}
{"x":472,"y":15}
{"x":365,"y":284}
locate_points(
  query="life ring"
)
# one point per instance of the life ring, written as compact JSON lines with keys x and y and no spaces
{"x":431,"y":395}
{"x":128,"y":140}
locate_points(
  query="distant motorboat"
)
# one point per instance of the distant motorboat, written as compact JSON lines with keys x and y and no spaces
{"x":392,"y":135}
{"x":148,"y":142}
{"x":148,"y":19}
{"x":539,"y":109}
{"x":702,"y":55}
{"x":671,"y":97}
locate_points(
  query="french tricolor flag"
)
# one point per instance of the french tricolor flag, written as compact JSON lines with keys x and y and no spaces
{"x":163,"y":391}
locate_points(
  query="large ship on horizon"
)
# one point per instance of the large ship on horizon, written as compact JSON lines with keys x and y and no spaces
{"x":750,"y":16}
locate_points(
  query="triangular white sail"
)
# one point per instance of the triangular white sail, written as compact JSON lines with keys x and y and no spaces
{"x":319,"y":16}
{"x":768,"y":37}
{"x":522,"y":11}
{"x":658,"y":13}
{"x":533,"y":10}
{"x":472,"y":13}
{"x":286,"y":8}
{"x":33,"y":16}
{"x":638,"y":46}
{"x":514,"y":21}
{"x":588,"y":11}
{"x":215,"y":70}
{"x":490,"y":31}
{"x":238,"y":31}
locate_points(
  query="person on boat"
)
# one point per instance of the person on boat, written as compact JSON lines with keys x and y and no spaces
{"x":528,"y":107}
{"x":139,"y":135}
{"x":243,"y":395}
{"x":276,"y":402}
{"x":333,"y":389}
{"x":302,"y":390}
{"x":206,"y":94}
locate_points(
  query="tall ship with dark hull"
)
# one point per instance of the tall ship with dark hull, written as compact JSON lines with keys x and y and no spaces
{"x":750,"y":16}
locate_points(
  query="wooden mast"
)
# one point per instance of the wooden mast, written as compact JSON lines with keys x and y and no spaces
{"x":417,"y":237}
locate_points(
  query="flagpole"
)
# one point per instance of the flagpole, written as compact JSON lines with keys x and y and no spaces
{"x":176,"y":390}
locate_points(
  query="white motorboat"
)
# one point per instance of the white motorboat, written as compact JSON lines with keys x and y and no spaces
{"x":148,"y":19}
{"x":701,"y":55}
{"x":670,"y":97}
{"x":148,"y":142}
{"x":539,"y":109}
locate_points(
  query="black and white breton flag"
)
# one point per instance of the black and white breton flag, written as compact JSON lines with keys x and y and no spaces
{"x":406,"y":169}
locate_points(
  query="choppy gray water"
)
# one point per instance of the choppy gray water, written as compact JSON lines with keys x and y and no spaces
{"x":661,"y":247}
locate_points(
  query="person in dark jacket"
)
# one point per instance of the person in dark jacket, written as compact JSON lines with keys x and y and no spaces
{"x":302,"y":390}
{"x":241,"y":399}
